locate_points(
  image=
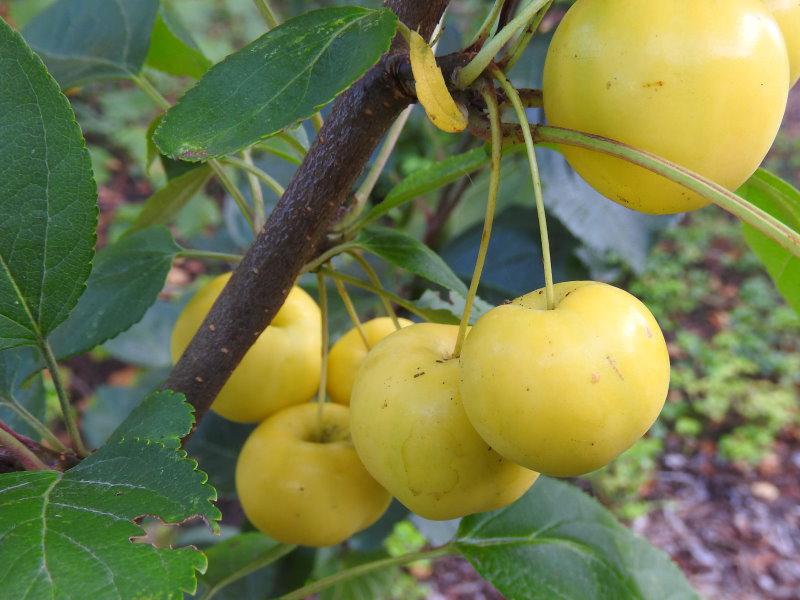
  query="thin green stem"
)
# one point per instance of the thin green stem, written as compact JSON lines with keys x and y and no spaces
{"x":525,"y":38}
{"x":351,"y":310}
{"x":267,"y":13}
{"x":360,"y":570}
{"x":485,"y":56}
{"x":253,"y":170}
{"x":35,"y":423}
{"x":290,"y":158}
{"x":362,"y":194}
{"x":372,"y":275}
{"x":317,"y":122}
{"x":234,"y":191}
{"x":488,"y":24}
{"x":773,"y":228}
{"x":537,"y":182}
{"x":151,"y":91}
{"x":209,"y":255}
{"x":262,"y":561}
{"x":21,"y":452}
{"x":66,"y":409}
{"x":293,"y":142}
{"x":327,"y":256}
{"x":491,"y":206}
{"x":322,"y":289}
{"x":366,"y":285}
{"x":254,"y":181}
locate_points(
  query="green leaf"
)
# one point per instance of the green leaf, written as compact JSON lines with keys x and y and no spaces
{"x":557,"y":542}
{"x":283,"y":77}
{"x":111,"y":405}
{"x":48,"y":199}
{"x":86,"y":40}
{"x":146,"y":344}
{"x":428,"y":179}
{"x":161,"y":207}
{"x":125,"y":282}
{"x":215,"y":445}
{"x":172,"y":49}
{"x":68,"y":535}
{"x":406,"y":252}
{"x":782,"y":201}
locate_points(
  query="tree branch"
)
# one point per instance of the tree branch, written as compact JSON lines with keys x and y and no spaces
{"x":297,"y":227}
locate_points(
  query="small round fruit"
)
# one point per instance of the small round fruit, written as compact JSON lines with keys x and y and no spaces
{"x":349,"y":352}
{"x":565,"y":391}
{"x":787,"y":14}
{"x":300,"y":483}
{"x":281,"y":368}
{"x":412,"y":434}
{"x":703,"y":83}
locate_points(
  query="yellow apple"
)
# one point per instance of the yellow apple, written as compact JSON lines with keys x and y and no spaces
{"x":349,"y":352}
{"x":300,"y":480}
{"x":412,"y":434}
{"x":787,"y":14}
{"x":703,"y":83}
{"x":281,"y":368}
{"x":565,"y":391}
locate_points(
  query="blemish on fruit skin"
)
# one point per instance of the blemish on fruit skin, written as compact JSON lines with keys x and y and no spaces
{"x":595,"y":377}
{"x":648,"y":332}
{"x":653,"y":85}
{"x":614,"y":366}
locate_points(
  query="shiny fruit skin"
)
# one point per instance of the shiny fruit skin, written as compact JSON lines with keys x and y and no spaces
{"x":413,"y":436}
{"x":349,"y":352}
{"x":282,"y":367}
{"x":787,"y":14}
{"x":565,"y":391}
{"x":299,"y":490}
{"x":703,"y":83}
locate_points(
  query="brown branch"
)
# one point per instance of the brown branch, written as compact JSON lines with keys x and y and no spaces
{"x":297,"y":226}
{"x":11,"y":460}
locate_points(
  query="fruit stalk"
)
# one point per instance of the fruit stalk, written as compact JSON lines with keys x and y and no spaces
{"x":373,"y":277}
{"x":491,"y":205}
{"x":351,"y":310}
{"x":537,"y":182}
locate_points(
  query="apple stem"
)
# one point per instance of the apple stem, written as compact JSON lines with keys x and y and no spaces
{"x":372,"y":275}
{"x":535,"y":178}
{"x":351,"y":310}
{"x":322,"y":291}
{"x":491,"y":205}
